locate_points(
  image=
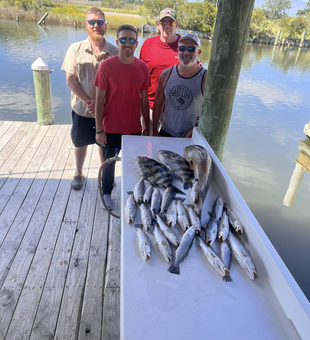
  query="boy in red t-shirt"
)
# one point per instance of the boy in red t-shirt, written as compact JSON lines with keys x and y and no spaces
{"x":121,"y":96}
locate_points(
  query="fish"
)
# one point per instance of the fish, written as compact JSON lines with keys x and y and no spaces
{"x":243,"y":256}
{"x":194,"y":218}
{"x":130,"y":208}
{"x":178,"y":166}
{"x":194,"y":194}
{"x":200,"y":162}
{"x":144,"y":243}
{"x":218,"y":208}
{"x":158,"y":174}
{"x":146,"y":217}
{"x":183,"y":218}
{"x":162,"y":243}
{"x":183,"y":250}
{"x":139,"y":191}
{"x":233,"y":220}
{"x":212,"y":258}
{"x":223,"y":227}
{"x":172,"y":214}
{"x":226,"y":258}
{"x":167,"y":198}
{"x":211,"y":231}
{"x":168,"y":232}
{"x":155,"y":202}
{"x":148,"y":194}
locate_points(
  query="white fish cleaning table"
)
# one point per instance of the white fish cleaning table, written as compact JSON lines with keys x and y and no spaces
{"x":198,"y":304}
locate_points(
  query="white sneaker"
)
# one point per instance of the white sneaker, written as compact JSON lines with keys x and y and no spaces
{"x":108,"y":202}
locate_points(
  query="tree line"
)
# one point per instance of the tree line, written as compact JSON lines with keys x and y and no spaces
{"x":201,"y":15}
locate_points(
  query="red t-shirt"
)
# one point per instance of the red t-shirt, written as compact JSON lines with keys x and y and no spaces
{"x":123,"y":83}
{"x":158,"y":56}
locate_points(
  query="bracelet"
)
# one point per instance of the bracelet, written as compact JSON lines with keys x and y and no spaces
{"x":97,"y":132}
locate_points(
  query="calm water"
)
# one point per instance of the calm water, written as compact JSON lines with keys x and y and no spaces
{"x":270,"y":110}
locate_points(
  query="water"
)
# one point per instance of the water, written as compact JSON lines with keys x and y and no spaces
{"x":270,"y":110}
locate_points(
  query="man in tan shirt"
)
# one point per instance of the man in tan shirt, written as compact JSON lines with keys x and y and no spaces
{"x":81,"y":64}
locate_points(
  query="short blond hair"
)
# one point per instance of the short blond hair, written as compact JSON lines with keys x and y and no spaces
{"x":95,"y":10}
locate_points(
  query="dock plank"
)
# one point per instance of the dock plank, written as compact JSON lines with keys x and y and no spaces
{"x":9,"y":140}
{"x":111,"y":315}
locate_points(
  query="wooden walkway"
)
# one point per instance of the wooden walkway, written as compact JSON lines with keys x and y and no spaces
{"x":59,"y":250}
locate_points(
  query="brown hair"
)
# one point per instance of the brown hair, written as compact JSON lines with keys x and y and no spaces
{"x":127,"y":28}
{"x":95,"y":10}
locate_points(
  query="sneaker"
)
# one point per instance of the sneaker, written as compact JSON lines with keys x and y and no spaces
{"x":77,"y":182}
{"x":108,"y":201}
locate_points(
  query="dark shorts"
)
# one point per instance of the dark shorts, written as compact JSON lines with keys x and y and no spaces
{"x":83,"y":131}
{"x":163,"y":133}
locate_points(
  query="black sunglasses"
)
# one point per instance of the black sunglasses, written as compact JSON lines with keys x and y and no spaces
{"x":190,"y":49}
{"x":93,"y":22}
{"x":124,"y":40}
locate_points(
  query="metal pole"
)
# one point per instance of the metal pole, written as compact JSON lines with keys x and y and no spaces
{"x":43,"y":91}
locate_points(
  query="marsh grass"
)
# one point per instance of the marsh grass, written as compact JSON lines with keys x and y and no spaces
{"x":69,"y":15}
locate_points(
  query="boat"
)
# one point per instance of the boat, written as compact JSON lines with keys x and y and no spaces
{"x":198,"y":304}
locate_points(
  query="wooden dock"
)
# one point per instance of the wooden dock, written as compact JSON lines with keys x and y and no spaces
{"x":59,"y":250}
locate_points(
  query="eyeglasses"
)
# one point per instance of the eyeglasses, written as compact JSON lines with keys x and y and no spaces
{"x":167,"y":23}
{"x":93,"y":22}
{"x":124,"y":40}
{"x":190,"y":49}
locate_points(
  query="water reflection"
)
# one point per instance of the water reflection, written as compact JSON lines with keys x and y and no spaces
{"x":270,"y":110}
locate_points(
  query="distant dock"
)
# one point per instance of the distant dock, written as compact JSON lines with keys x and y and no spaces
{"x":59,"y":250}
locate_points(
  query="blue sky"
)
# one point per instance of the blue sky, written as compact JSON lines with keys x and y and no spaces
{"x":296,"y":5}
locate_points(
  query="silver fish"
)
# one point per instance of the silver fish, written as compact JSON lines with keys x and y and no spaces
{"x":155,"y":202}
{"x":144,"y":244}
{"x":211,"y":231}
{"x":212,"y":258}
{"x":178,"y":166}
{"x":167,"y":198}
{"x":172,"y":214}
{"x":148,"y":194}
{"x":218,"y":208}
{"x":130,"y":208}
{"x":183,"y":218}
{"x":183,"y":250}
{"x":146,"y":217}
{"x":200,"y":162}
{"x":194,"y":218}
{"x":243,"y":256}
{"x":162,"y":243}
{"x":226,"y":258}
{"x":139,"y":191}
{"x":194,"y":195}
{"x":168,"y":232}
{"x":223,"y":227}
{"x":233,"y":219}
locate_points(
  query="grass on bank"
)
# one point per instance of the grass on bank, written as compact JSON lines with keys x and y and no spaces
{"x":63,"y":14}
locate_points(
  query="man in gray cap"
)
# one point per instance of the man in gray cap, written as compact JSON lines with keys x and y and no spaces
{"x":180,"y":89}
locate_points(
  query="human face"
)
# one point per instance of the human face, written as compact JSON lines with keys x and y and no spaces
{"x":167,"y":29}
{"x":95,"y":32}
{"x":127,"y":49}
{"x":188,"y":58}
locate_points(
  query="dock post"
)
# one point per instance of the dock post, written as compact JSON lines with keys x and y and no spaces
{"x":229,"y":41}
{"x":302,"y":39}
{"x":278,"y":37}
{"x":43,"y":91}
{"x":293,"y":186}
{"x":42,"y":19}
{"x":17,"y":18}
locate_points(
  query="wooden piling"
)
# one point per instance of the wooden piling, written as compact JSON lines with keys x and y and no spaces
{"x":43,"y":92}
{"x":42,"y":20}
{"x":229,"y":41}
{"x":302,"y":39}
{"x":278,"y":37}
{"x":17,"y":18}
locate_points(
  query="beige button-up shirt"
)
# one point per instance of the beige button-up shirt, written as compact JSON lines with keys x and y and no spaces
{"x":81,"y":61}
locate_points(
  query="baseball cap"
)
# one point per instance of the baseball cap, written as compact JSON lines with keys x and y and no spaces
{"x":191,"y":36}
{"x":168,"y":12}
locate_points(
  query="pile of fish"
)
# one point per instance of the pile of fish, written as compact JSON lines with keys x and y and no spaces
{"x":161,"y":211}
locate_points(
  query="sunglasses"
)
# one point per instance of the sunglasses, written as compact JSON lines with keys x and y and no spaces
{"x":167,"y":23}
{"x":124,"y":40}
{"x":190,"y":49}
{"x":93,"y":22}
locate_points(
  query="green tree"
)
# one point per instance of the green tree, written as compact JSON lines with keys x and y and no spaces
{"x":292,"y":28}
{"x":305,"y":10}
{"x":276,"y":9}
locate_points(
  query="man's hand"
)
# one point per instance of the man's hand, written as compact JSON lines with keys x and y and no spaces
{"x":90,"y":104}
{"x":101,"y":138}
